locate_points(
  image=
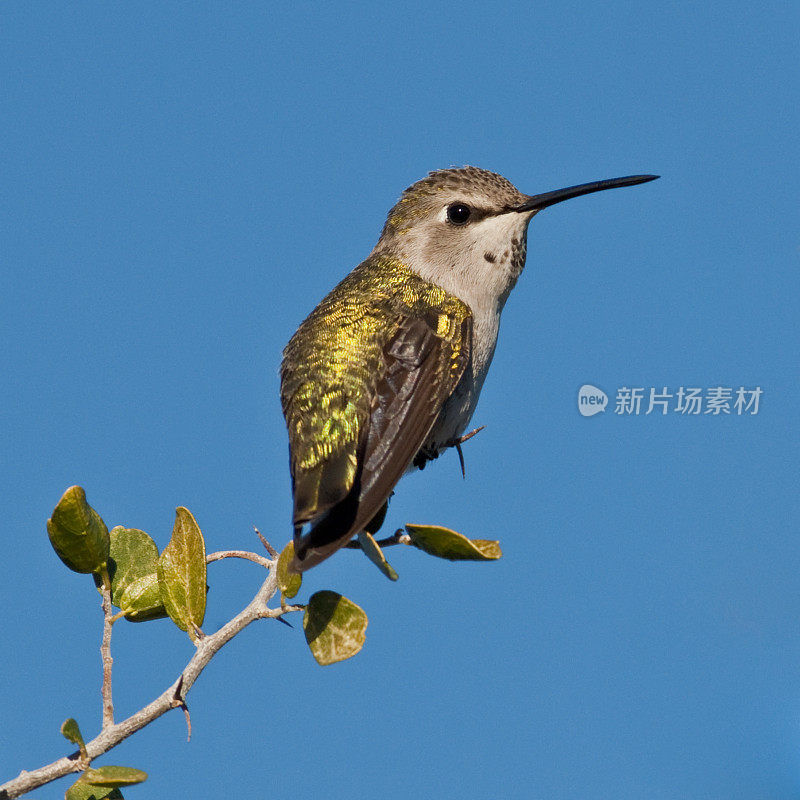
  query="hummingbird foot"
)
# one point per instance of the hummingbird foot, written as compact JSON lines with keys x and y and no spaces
{"x":425,"y":455}
{"x":430,"y":453}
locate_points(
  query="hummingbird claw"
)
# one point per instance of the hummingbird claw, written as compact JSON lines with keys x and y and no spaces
{"x":425,"y":455}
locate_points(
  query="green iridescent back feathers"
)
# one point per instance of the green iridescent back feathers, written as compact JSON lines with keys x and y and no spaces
{"x":383,"y":345}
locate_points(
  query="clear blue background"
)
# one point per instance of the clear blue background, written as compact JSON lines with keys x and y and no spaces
{"x":181,"y":183}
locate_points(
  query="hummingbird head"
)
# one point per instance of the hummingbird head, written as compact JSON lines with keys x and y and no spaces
{"x":465,"y":229}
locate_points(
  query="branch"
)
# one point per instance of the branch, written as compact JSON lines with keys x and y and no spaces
{"x":173,"y":697}
{"x":248,"y":556}
{"x":105,"y":651}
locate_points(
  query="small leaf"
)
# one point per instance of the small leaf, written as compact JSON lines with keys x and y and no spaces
{"x":71,"y":732}
{"x":335,"y":627}
{"x":78,"y":534}
{"x":133,"y":566}
{"x":288,"y":582}
{"x":182,"y":574}
{"x":141,"y":600}
{"x":444,"y":543}
{"x":113,"y":777}
{"x":375,"y":555}
{"x":84,"y":791}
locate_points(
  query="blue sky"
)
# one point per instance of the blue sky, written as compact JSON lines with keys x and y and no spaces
{"x":181,"y":184}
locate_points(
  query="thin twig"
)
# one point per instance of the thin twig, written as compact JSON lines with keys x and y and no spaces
{"x":277,"y":613}
{"x":248,"y":556}
{"x":460,"y":452}
{"x":112,"y":735}
{"x":267,"y":546}
{"x":467,"y":436}
{"x":457,"y":444}
{"x":188,"y":721}
{"x":105,"y":651}
{"x":398,"y":537}
{"x":179,"y":702}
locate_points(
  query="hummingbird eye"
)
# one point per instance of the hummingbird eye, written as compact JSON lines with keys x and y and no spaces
{"x":458,"y":213}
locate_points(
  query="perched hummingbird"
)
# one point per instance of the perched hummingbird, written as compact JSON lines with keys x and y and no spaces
{"x":386,"y":371}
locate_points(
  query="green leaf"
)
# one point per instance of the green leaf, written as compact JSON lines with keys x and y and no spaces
{"x":133,"y":566}
{"x":335,"y":627}
{"x":113,"y":777}
{"x":182,"y":574}
{"x":444,"y":543}
{"x":288,"y":582}
{"x":71,"y":732}
{"x":375,"y":555}
{"x":84,"y":791}
{"x":141,"y":600}
{"x":78,"y":534}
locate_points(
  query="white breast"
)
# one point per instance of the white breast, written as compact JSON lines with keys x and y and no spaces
{"x":458,"y":410}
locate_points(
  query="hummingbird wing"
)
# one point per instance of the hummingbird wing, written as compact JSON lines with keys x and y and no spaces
{"x":420,"y":370}
{"x":373,"y":427}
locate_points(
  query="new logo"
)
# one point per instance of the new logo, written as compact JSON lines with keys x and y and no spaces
{"x":591,"y":400}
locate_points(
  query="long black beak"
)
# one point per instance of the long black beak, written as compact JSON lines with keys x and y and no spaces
{"x":539,"y":201}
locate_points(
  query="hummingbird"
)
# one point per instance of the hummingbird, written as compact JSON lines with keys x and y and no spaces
{"x":386,"y":371}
